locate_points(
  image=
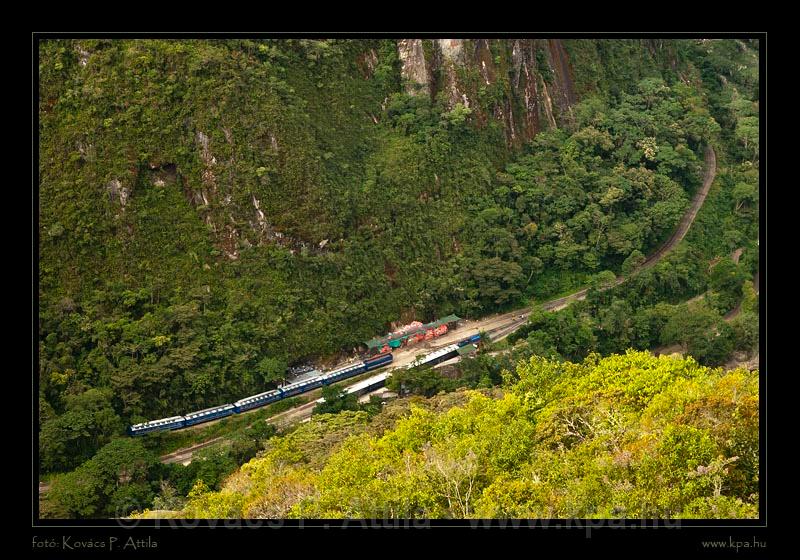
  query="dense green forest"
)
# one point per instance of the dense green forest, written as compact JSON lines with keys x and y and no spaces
{"x":211,"y":212}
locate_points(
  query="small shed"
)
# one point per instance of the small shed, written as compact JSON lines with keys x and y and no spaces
{"x":451,"y":321}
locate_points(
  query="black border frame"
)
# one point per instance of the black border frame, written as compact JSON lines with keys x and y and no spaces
{"x":604,"y":530}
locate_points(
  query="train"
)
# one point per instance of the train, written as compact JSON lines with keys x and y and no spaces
{"x":431,"y":359}
{"x":259,"y":400}
{"x":475,"y":338}
{"x":445,"y":353}
{"x":268,"y":397}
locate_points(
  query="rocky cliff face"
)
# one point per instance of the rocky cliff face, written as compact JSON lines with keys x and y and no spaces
{"x":525,"y":84}
{"x":273,"y":142}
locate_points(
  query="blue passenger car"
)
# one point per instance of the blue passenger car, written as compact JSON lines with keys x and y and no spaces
{"x":261,"y":399}
{"x":209,"y":414}
{"x":301,"y":387}
{"x":378,"y":361}
{"x":342,"y":373}
{"x":172,"y":423}
{"x":255,"y":401}
{"x":471,"y":340}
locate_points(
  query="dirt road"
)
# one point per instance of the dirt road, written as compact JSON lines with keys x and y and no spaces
{"x":736,"y":310}
{"x":691,"y":213}
{"x":185,"y":455}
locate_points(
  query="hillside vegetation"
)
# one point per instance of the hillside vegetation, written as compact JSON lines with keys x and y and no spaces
{"x":213,"y":211}
{"x":630,"y":436}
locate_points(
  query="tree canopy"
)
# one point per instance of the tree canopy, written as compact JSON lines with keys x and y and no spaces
{"x":624,"y":436}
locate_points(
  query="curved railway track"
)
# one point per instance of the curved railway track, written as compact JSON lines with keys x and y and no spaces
{"x":677,"y":236}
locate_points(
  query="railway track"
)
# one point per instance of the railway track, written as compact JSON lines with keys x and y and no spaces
{"x":186,"y":453}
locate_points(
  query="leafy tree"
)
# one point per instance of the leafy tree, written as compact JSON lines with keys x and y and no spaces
{"x":687,"y":325}
{"x":418,"y":381}
{"x":210,"y":466}
{"x":726,"y":279}
{"x":747,"y":133}
{"x":271,"y":369}
{"x":336,"y":400}
{"x":745,"y":195}
{"x":726,"y":276}
{"x":88,"y":422}
{"x":714,"y":346}
{"x":373,"y":406}
{"x":120,"y":478}
{"x":632,"y":262}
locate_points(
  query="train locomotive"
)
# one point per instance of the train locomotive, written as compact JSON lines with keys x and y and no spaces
{"x":268,"y":397}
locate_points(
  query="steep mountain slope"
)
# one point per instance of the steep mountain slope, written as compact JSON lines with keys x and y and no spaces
{"x":210,"y":211}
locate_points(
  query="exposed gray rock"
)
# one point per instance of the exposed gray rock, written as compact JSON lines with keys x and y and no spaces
{"x":83,"y":55}
{"x":262,"y":219}
{"x":371,"y":61}
{"x":205,"y":150}
{"x":452,"y":50}
{"x":86,"y":150}
{"x":117,"y":193}
{"x":414,"y":69}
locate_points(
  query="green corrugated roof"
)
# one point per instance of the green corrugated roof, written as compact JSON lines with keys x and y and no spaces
{"x":443,"y":321}
{"x":379,"y":341}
